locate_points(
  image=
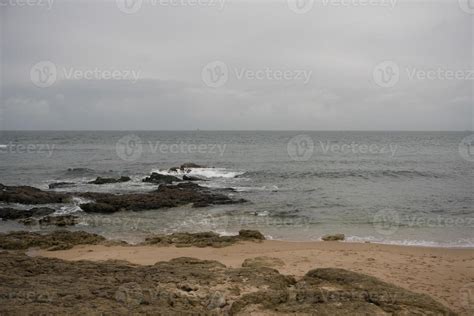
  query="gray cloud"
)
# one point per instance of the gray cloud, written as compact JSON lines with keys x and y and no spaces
{"x":169,"y":46}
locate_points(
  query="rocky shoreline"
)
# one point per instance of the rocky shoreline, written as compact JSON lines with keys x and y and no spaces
{"x":37,"y":285}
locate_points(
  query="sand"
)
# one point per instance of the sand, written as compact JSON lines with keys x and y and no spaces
{"x":446,"y":274}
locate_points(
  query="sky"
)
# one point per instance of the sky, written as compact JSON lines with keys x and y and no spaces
{"x":236,"y":65}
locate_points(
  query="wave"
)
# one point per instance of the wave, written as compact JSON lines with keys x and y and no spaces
{"x":463,"y":243}
{"x":367,"y":175}
{"x":207,"y":173}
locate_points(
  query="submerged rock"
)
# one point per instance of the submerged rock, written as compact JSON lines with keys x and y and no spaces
{"x":335,"y":237}
{"x":192,"y":178}
{"x":61,"y":220}
{"x":120,"y":288}
{"x":14,"y":214}
{"x":101,"y":180}
{"x":58,"y":185}
{"x":190,"y":165}
{"x":157,"y":178}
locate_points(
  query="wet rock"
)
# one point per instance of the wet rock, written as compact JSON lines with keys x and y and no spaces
{"x":101,"y":180}
{"x":192,"y":178}
{"x":190,"y":165}
{"x":59,"y":185}
{"x":164,"y":197}
{"x":251,"y":234}
{"x":61,"y":220}
{"x":335,"y":237}
{"x":15,"y":214}
{"x":56,"y":240}
{"x":30,"y":195}
{"x":203,"y":239}
{"x":157,"y":178}
{"x":263,"y":261}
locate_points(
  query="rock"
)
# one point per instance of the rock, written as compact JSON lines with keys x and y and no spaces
{"x":217,"y":300}
{"x":60,"y":239}
{"x":251,"y":234}
{"x":100,"y":180}
{"x":30,"y":195}
{"x":263,"y":261}
{"x":334,"y":237}
{"x":119,"y":288}
{"x":15,"y":214}
{"x":204,"y":239}
{"x":61,"y":220}
{"x":164,"y":197}
{"x":192,"y":178}
{"x":158,"y":178}
{"x":58,"y":185}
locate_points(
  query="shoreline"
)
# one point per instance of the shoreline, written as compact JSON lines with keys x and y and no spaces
{"x":442,"y":273}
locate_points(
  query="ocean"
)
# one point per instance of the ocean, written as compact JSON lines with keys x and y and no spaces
{"x":410,"y":188}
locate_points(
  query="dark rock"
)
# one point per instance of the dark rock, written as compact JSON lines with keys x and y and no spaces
{"x":164,"y":197}
{"x":55,"y":240}
{"x":30,"y":195}
{"x":251,"y":234}
{"x":192,"y":178}
{"x":158,"y":178}
{"x":335,"y":237}
{"x":58,"y":185}
{"x":100,"y":180}
{"x":14,"y":214}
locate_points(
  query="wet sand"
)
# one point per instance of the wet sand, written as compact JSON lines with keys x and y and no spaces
{"x":446,"y":274}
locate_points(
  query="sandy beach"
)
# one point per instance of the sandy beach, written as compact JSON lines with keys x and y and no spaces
{"x":446,"y":274}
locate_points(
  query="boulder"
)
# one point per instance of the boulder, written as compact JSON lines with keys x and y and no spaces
{"x":251,"y":234}
{"x":335,"y":237}
{"x":100,"y":180}
{"x":157,"y":178}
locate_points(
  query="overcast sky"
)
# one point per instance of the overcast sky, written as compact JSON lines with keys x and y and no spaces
{"x":259,"y":65}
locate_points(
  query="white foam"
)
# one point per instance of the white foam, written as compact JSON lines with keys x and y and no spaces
{"x":464,"y":243}
{"x":202,"y":172}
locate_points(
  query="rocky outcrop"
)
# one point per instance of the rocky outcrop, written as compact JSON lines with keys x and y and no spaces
{"x":192,"y":286}
{"x":16,"y":214}
{"x":57,"y":240}
{"x":335,"y":237}
{"x":204,"y":239}
{"x":164,"y":197}
{"x":157,"y":178}
{"x":100,"y":180}
{"x":30,"y":195}
{"x":60,"y":185}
